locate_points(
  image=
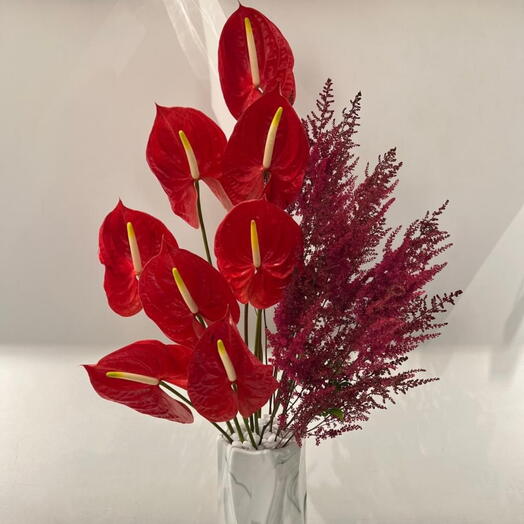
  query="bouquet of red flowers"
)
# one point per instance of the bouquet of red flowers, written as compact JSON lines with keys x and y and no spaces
{"x":302,"y":232}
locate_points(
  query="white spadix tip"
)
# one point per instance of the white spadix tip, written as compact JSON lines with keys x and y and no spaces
{"x":252,"y":52}
{"x":226,"y":361}
{"x":133,"y":377}
{"x":190,"y":155}
{"x":186,"y":295}
{"x":255,"y":246}
{"x":270,"y":139}
{"x":133,"y":248}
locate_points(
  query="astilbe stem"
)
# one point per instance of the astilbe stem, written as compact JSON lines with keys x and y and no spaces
{"x":356,"y":304}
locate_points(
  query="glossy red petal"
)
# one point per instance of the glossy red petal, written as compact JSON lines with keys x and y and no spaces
{"x":120,"y":282}
{"x":255,"y":388}
{"x":180,"y":357}
{"x":208,"y":386}
{"x":150,"y":358}
{"x":244,"y":177}
{"x":168,"y":161}
{"x":275,"y":61}
{"x":164,"y":304}
{"x":280,"y":240}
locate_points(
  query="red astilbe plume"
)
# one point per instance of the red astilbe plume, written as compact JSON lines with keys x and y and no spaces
{"x":356,"y":305}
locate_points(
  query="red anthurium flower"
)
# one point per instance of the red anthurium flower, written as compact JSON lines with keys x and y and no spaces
{"x":224,"y":377}
{"x":178,"y":288}
{"x":131,"y":376}
{"x":128,"y":239}
{"x":266,"y":154}
{"x":257,"y":246}
{"x":185,"y":146}
{"x":253,"y":58}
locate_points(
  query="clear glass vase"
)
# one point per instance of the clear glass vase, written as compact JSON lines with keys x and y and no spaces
{"x":261,"y":487}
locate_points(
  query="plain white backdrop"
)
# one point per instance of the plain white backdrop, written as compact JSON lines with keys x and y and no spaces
{"x":440,"y":80}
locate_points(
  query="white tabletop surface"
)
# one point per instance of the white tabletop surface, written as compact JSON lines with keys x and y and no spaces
{"x":450,"y":452}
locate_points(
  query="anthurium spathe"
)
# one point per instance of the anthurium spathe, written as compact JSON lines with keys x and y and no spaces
{"x":186,"y":146}
{"x":253,"y":58}
{"x":128,"y":239}
{"x":257,"y":246}
{"x":224,"y":377}
{"x":181,"y":291}
{"x":266,"y":154}
{"x":131,"y":376}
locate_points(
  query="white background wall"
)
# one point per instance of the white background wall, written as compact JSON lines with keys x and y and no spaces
{"x":441,"y":80}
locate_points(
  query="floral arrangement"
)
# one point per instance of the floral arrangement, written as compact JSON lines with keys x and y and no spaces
{"x":303,"y":232}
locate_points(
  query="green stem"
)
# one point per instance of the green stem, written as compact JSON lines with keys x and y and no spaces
{"x":239,"y":430}
{"x":288,"y":407}
{"x":188,"y":402}
{"x":262,"y":433}
{"x":265,"y":336}
{"x":258,"y":354}
{"x":287,"y":441}
{"x":251,"y":438}
{"x":258,"y":336}
{"x":230,"y":427}
{"x":201,"y":221}
{"x":274,"y":395}
{"x":270,"y":423}
{"x":275,"y":409}
{"x":246,"y":323}
{"x":199,"y":318}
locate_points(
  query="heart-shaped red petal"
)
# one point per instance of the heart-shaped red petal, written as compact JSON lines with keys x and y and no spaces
{"x":244,"y":176}
{"x":209,"y":388}
{"x":274,"y":57}
{"x":164,"y":304}
{"x":152,"y":359}
{"x":120,"y":281}
{"x":279,"y":240}
{"x":168,"y":160}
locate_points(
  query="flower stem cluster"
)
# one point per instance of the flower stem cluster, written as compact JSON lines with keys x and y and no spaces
{"x":302,"y":231}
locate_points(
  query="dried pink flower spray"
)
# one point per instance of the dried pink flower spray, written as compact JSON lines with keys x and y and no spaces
{"x":356,"y":305}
